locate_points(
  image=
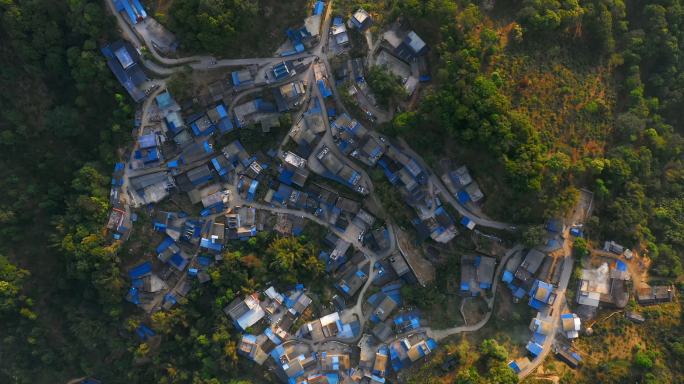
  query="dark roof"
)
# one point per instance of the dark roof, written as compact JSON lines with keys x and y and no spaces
{"x":344,"y":69}
{"x":136,"y":74}
{"x":358,"y":68}
{"x":341,"y":223}
{"x":634,"y":317}
{"x":280,"y":102}
{"x":388,"y":276}
{"x":339,"y":303}
{"x":406,"y":52}
{"x":423,"y":66}
{"x":566,"y":357}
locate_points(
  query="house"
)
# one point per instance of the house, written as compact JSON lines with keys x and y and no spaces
{"x":333,"y":362}
{"x":571,"y":325}
{"x":214,"y":238}
{"x":134,"y":10}
{"x":471,"y":193}
{"x":541,"y":327}
{"x":364,"y":220}
{"x":411,"y":48}
{"x":339,"y":303}
{"x":161,"y":35}
{"x":337,"y":169}
{"x":541,"y":294}
{"x":402,"y":269}
{"x":556,"y":225}
{"x":358,"y":68}
{"x":403,"y":353}
{"x":283,"y":70}
{"x":353,"y":280}
{"x":152,"y":187}
{"x":295,"y":170}
{"x":477,"y":274}
{"x":339,"y":33}
{"x":385,"y":273}
{"x":236,"y":154}
{"x":379,"y":239}
{"x":246,"y":312}
{"x":362,"y":20}
{"x":423,"y":68}
{"x":307,"y":131}
{"x":123,"y":60}
{"x":242,"y":77}
{"x":651,"y":295}
{"x":534,"y":348}
{"x":611,"y":246}
{"x":384,"y":302}
{"x":344,"y":70}
{"x":634,"y":317}
{"x":409,"y":321}
{"x":196,"y":153}
{"x":292,"y":90}
{"x":215,"y":115}
{"x":604,"y":286}
{"x":520,"y":364}
{"x":570,"y":358}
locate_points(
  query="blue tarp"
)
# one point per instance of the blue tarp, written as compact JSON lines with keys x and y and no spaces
{"x":465,"y":286}
{"x":140,"y":271}
{"x":621,"y":266}
{"x":318,"y":8}
{"x":146,"y":329}
{"x":337,"y":21}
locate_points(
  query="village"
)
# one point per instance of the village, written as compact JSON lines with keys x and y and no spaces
{"x":317,"y":171}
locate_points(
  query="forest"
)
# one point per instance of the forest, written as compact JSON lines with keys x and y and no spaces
{"x":550,"y":96}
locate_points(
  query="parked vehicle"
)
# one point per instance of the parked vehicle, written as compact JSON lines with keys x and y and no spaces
{"x":212,"y":63}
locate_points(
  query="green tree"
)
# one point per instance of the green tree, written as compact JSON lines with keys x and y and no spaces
{"x":286,"y":120}
{"x":64,"y":122}
{"x":534,"y":236}
{"x":385,"y":85}
{"x":580,"y":247}
{"x":492,"y":349}
{"x":642,"y":361}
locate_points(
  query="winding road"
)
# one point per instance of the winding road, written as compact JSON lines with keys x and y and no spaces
{"x":138,"y":31}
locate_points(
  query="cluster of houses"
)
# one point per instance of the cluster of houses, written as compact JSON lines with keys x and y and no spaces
{"x":459,"y":183}
{"x":406,"y":56}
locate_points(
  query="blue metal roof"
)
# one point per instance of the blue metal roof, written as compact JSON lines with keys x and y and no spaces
{"x":148,"y":141}
{"x":535,"y":349}
{"x":621,"y":266}
{"x":318,"y":8}
{"x":140,"y":271}
{"x":463,"y":197}
{"x":286,"y":177}
{"x":337,"y":21}
{"x":206,"y":243}
{"x":165,"y":244}
{"x":514,"y":365}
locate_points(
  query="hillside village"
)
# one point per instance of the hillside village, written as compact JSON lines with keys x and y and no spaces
{"x":202,"y":149}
